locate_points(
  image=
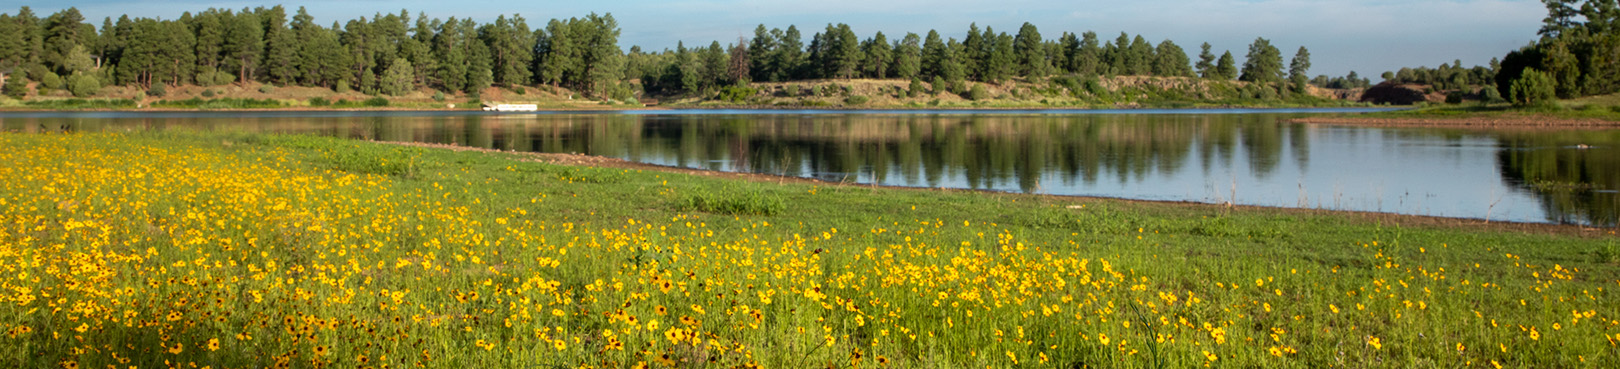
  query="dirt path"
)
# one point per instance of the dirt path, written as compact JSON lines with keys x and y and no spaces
{"x":1389,"y":219}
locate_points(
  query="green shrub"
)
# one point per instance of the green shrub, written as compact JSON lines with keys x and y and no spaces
{"x":266,"y":89}
{"x":438,"y":96}
{"x":82,"y":85}
{"x":791,"y":90}
{"x":82,"y":104}
{"x":978,"y":93}
{"x":1533,"y":88}
{"x":1490,"y":95}
{"x":1454,"y":97}
{"x":856,"y":100}
{"x":319,"y":101}
{"x":815,"y":90}
{"x":732,"y":203}
{"x":208,"y":93}
{"x":915,"y":89}
{"x":157,"y":90}
{"x":16,"y":86}
{"x":51,"y":81}
{"x":938,"y":86}
{"x":376,"y":102}
{"x":342,"y":86}
{"x":737,"y":93}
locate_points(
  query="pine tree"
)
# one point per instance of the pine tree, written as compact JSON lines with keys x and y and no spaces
{"x":908,"y":57}
{"x":397,"y":80}
{"x":1003,"y":61}
{"x":419,"y":51}
{"x":558,"y":52}
{"x":244,"y":44}
{"x":1069,"y":45}
{"x":1031,"y":53}
{"x":210,"y":44}
{"x":62,"y":32}
{"x":450,"y":49}
{"x":1263,"y":63}
{"x":976,"y":52}
{"x":1299,"y":67}
{"x":1226,"y":68}
{"x":933,"y":54}
{"x":714,"y":60}
{"x":11,"y":46}
{"x":1139,"y":58}
{"x":790,"y":59}
{"x":33,"y":43}
{"x":878,"y":56}
{"x":761,"y":51}
{"x":281,"y":47}
{"x":1171,"y":61}
{"x":604,"y":61}
{"x":1088,"y":60}
{"x":1206,"y":62}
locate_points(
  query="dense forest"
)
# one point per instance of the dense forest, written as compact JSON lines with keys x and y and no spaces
{"x":1577,"y":55}
{"x":394,"y":54}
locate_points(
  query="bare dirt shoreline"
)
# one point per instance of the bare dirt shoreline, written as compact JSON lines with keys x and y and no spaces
{"x":1389,"y":219}
{"x":1473,"y":122}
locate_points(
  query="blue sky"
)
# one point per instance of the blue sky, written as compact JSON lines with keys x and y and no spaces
{"x":1368,"y":36}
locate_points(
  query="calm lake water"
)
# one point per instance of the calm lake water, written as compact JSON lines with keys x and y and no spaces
{"x":1252,"y":157}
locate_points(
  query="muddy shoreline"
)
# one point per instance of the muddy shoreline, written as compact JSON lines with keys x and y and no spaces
{"x":1472,"y":122}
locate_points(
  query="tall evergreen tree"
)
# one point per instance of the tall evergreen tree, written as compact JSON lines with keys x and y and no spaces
{"x":1298,"y":69}
{"x":1263,"y":63}
{"x":281,"y":47}
{"x":33,"y":43}
{"x":1069,"y":46}
{"x":63,"y":31}
{"x":1226,"y":68}
{"x":418,"y":49}
{"x":908,"y":57}
{"x":558,"y":51}
{"x":604,"y":61}
{"x":1171,"y":61}
{"x":1031,"y":53}
{"x":210,"y":38}
{"x":790,"y":58}
{"x":1139,"y":58}
{"x":244,"y":44}
{"x":1206,"y":62}
{"x":975,"y":52}
{"x":1088,"y":60}
{"x":878,"y":56}
{"x":761,"y":50}
{"x":450,"y":49}
{"x":1003,"y":61}
{"x":933,"y":55}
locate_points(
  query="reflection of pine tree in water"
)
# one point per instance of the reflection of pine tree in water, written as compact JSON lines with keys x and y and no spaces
{"x":1574,"y":185}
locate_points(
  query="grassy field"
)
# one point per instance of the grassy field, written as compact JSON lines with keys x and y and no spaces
{"x":235,"y":251}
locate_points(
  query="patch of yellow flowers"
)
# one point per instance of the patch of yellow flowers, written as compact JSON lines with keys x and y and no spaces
{"x":117,"y":252}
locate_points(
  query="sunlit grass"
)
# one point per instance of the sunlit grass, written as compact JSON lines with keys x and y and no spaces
{"x":234,"y":252}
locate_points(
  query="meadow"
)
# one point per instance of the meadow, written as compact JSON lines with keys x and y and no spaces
{"x":193,"y":250}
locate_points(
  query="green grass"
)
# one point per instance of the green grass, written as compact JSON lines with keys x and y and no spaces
{"x":496,"y":248}
{"x":1603,"y":107}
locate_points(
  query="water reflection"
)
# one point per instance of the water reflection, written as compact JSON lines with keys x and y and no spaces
{"x":1244,"y":158}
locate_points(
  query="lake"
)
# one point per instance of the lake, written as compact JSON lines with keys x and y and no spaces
{"x":1250,"y":157}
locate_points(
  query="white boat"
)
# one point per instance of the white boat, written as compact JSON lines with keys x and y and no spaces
{"x":511,"y":107}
